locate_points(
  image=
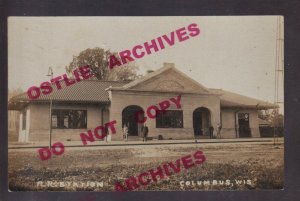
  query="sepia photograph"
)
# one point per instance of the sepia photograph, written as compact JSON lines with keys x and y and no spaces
{"x":164,"y":103}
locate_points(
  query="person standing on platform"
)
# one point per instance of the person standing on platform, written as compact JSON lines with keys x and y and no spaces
{"x":145,"y":131}
{"x":211,"y":132}
{"x":125,"y":132}
{"x":219,"y":127}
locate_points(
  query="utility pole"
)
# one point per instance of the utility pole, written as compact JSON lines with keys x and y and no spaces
{"x":50,"y":73}
{"x":279,"y":72}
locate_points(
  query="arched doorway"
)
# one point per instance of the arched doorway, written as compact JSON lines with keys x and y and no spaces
{"x":201,"y":122}
{"x":129,"y":118}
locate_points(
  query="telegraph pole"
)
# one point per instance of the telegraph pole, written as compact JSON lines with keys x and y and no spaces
{"x":50,"y":73}
{"x":279,"y":72}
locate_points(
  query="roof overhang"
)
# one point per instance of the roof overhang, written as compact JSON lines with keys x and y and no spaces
{"x":160,"y":91}
{"x":20,"y":105}
{"x":247,"y":107}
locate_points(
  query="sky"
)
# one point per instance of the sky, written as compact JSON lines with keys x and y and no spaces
{"x":235,"y":53}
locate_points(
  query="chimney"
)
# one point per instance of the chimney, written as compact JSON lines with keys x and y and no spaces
{"x":150,"y":71}
{"x":169,"y":65}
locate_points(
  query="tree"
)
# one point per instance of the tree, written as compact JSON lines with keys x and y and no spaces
{"x":273,"y":117}
{"x":264,"y":115}
{"x":277,"y":118}
{"x":97,"y":59}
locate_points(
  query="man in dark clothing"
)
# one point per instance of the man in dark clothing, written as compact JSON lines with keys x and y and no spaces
{"x":211,"y":132}
{"x":145,"y":132}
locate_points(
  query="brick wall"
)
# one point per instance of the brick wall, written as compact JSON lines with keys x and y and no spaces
{"x":39,"y":122}
{"x":121,"y":100}
{"x":228,"y":122}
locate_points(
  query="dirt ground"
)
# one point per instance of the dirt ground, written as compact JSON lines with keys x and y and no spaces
{"x":259,"y":162}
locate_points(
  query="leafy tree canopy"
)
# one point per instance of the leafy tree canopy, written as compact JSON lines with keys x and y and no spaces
{"x":98,"y":60}
{"x":272,"y":116}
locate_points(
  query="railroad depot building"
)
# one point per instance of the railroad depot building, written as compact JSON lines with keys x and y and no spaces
{"x":90,"y":103}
